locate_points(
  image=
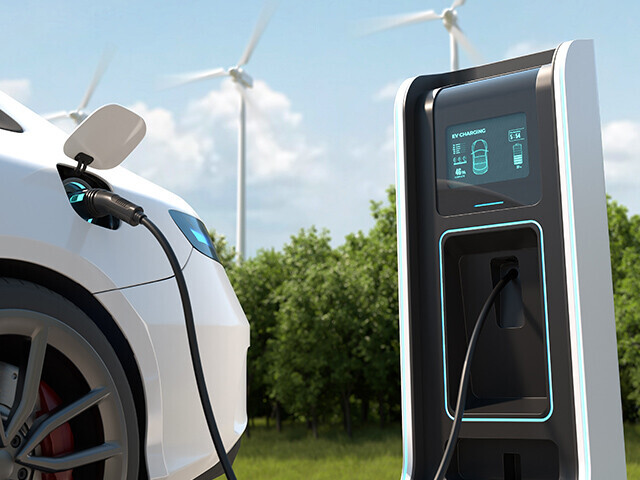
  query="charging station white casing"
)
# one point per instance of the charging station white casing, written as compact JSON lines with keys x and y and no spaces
{"x":403,"y":280}
{"x":586,"y":247}
{"x":594,"y":364}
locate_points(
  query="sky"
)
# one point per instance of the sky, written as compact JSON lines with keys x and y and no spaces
{"x":320,"y":115}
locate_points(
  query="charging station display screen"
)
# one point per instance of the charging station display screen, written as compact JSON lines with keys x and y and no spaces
{"x":487,"y":143}
{"x":487,"y":151}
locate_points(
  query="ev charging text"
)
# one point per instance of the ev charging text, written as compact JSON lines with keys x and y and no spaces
{"x":469,"y":133}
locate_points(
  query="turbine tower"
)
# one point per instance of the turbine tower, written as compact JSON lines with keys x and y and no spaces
{"x":449,"y":17}
{"x":243,"y":81}
{"x":79,"y":114}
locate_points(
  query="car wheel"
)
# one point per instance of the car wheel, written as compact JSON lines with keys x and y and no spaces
{"x":66,"y":408}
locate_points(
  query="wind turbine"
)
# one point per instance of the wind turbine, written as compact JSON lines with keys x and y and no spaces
{"x":79,"y":114}
{"x":449,"y":17}
{"x":243,"y":81}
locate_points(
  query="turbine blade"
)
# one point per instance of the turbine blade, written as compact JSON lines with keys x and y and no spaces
{"x":55,"y":116}
{"x":374,"y":25}
{"x":265,"y":16}
{"x":457,"y":3}
{"x":106,"y":58}
{"x":172,"y":81}
{"x":465,"y":43}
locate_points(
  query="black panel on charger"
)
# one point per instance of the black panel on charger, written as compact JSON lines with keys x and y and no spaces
{"x":462,"y":235}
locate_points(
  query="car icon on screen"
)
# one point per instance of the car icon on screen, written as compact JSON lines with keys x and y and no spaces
{"x":480,"y":157}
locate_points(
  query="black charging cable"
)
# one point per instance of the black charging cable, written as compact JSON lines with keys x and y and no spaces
{"x":466,"y":373}
{"x":99,"y":203}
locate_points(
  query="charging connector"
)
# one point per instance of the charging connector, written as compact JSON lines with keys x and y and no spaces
{"x":98,"y":203}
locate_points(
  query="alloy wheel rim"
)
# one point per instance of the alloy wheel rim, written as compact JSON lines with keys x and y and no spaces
{"x":22,"y":431}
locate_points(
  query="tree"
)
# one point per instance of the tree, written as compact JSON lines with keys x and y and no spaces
{"x":339,"y":303}
{"x":374,"y":261}
{"x":323,"y":322}
{"x":301,"y":352}
{"x":627,"y":304}
{"x":624,"y":241}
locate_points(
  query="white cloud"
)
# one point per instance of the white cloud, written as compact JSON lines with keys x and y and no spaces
{"x":388,"y":91}
{"x":194,"y":154}
{"x":275,"y":143}
{"x":185,"y":151}
{"x":621,"y":145}
{"x":19,"y":88}
{"x":170,"y":154}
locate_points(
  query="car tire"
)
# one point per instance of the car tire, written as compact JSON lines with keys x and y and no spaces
{"x":50,"y":345}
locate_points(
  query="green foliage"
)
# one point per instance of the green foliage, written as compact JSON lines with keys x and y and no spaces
{"x":624,"y":236}
{"x":371,"y":261}
{"x":624,"y":240}
{"x":627,"y":306}
{"x":301,"y":351}
{"x":322,"y":321}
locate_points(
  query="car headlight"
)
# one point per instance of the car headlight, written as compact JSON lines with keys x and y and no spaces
{"x":196,"y":233}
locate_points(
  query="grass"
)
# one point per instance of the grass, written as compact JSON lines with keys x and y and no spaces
{"x":632,"y":448}
{"x":372,"y":453}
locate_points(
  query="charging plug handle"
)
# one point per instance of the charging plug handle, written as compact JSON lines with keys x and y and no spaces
{"x":99,"y":203}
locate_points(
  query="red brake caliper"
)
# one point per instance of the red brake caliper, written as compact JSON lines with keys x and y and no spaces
{"x":60,"y":441}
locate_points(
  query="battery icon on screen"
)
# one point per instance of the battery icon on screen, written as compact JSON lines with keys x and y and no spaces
{"x":517,"y":154}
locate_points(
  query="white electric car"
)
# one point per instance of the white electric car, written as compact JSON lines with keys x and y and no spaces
{"x":96,"y":379}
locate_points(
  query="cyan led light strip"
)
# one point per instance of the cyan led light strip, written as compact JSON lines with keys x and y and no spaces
{"x":488,"y":204}
{"x":546,"y":320}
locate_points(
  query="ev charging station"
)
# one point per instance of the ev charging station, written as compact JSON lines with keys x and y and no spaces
{"x":500,"y":167}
